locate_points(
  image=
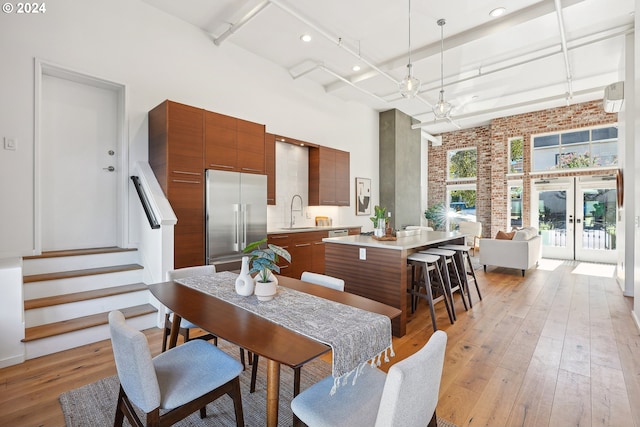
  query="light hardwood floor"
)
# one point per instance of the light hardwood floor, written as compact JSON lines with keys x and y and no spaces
{"x":551,"y":349}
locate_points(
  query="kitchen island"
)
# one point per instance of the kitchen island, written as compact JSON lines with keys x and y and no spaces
{"x":377,"y":269}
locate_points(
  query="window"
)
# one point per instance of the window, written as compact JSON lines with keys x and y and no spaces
{"x":580,"y":149}
{"x":516,"y":155}
{"x":462,"y":164}
{"x":462,"y":204}
{"x":514,"y":205}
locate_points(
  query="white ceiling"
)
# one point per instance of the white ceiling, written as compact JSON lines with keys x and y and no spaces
{"x":492,"y":66}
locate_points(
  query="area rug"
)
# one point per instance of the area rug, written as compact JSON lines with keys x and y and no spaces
{"x":94,"y":404}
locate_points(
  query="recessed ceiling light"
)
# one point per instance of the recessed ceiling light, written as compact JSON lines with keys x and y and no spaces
{"x":497,"y":12}
{"x":356,"y":67}
{"x":305,"y":38}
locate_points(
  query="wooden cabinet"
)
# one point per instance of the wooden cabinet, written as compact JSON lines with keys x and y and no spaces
{"x":270,"y":167}
{"x":342,"y":178}
{"x":284,"y":241}
{"x":317,"y":256}
{"x":354,"y":231}
{"x":306,"y":249}
{"x":233,"y":144}
{"x":176,"y":146}
{"x":184,"y":141}
{"x":328,"y":177}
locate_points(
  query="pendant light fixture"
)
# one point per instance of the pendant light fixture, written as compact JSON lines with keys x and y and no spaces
{"x":442,"y":109}
{"x":410,"y":85}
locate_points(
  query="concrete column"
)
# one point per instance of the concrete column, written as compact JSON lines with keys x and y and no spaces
{"x":400,"y":169}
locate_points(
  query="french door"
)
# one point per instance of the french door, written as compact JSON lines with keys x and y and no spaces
{"x":576,"y":217}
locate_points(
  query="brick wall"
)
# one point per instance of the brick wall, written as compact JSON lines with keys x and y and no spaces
{"x":492,"y":145}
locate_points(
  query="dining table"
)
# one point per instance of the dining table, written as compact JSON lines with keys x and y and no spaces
{"x":278,"y":344}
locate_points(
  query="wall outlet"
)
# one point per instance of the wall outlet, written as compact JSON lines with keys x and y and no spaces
{"x":10,"y":143}
{"x":363,"y":253}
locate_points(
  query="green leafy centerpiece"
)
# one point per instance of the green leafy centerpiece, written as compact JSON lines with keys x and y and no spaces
{"x":264,"y":261}
{"x":379,"y":219}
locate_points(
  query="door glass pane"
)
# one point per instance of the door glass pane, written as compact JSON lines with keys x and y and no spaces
{"x":552,"y":214}
{"x":599,"y":228}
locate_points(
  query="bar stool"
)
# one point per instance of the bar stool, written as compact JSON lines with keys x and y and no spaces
{"x":463,"y":255}
{"x":428,"y":263}
{"x":450,"y":274}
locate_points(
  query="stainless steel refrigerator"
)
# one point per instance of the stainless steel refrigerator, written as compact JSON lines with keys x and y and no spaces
{"x":236,"y":215}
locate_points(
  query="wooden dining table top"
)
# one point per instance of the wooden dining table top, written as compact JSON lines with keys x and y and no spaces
{"x":249,"y":330}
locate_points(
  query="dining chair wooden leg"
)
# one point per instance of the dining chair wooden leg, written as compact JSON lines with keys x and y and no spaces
{"x":296,"y":381}
{"x":434,"y":421}
{"x":237,"y":402}
{"x":254,"y":373}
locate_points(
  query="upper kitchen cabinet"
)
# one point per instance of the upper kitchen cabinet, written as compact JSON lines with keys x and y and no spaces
{"x":233,"y":144}
{"x":270,"y":166}
{"x":328,"y":177}
{"x":176,"y":146}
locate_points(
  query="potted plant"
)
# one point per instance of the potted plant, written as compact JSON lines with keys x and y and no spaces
{"x":436,"y":215}
{"x":379,"y":220}
{"x":264,"y":261}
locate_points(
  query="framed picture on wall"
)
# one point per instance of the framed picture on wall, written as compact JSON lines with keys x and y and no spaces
{"x":363,"y":196}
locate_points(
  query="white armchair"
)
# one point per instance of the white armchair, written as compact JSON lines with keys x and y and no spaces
{"x":522,"y":252}
{"x":473,"y":232}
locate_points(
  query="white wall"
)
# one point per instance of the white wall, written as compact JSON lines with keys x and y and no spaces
{"x":11,"y":319}
{"x":634,"y":174}
{"x":292,"y":177}
{"x":156,"y":57}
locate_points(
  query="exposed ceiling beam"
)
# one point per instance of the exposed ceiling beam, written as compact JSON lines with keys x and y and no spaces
{"x":563,"y":42}
{"x":518,"y":17}
{"x":505,"y":108}
{"x":246,"y":18}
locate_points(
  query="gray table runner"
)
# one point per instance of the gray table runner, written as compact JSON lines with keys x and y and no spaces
{"x":355,"y":336}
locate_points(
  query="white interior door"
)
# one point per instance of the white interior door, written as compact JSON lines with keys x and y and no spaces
{"x":78,"y":165}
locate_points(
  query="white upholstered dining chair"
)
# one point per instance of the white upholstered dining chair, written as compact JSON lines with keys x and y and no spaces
{"x":473,"y":232}
{"x":185,"y":325}
{"x":323,"y":280}
{"x":179,"y":381}
{"x":317,"y":279}
{"x":407,"y":396}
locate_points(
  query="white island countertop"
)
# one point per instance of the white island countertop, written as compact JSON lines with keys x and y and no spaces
{"x":425,"y":238}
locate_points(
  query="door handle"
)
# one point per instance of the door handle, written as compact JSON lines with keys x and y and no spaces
{"x":578,"y":220}
{"x":110,"y":169}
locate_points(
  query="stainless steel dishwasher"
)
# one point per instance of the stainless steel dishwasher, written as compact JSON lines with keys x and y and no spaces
{"x":338,"y":233}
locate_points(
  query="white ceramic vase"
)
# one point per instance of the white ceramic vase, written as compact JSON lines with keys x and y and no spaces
{"x":379,"y":231}
{"x":265,"y":291}
{"x":244,"y":282}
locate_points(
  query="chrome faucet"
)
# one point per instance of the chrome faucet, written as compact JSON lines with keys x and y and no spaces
{"x":293,"y":220}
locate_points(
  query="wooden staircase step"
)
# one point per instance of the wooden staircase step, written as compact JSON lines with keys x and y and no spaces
{"x":83,"y":296}
{"x":77,"y":252}
{"x":79,"y":273}
{"x":58,"y":328}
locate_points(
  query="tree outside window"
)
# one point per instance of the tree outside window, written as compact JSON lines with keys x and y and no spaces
{"x":516,"y":155}
{"x":463,"y":164}
{"x":577,"y":149}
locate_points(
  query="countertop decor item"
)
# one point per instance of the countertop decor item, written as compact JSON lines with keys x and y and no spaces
{"x":244,"y":282}
{"x":264,"y":261}
{"x":379,"y":219}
